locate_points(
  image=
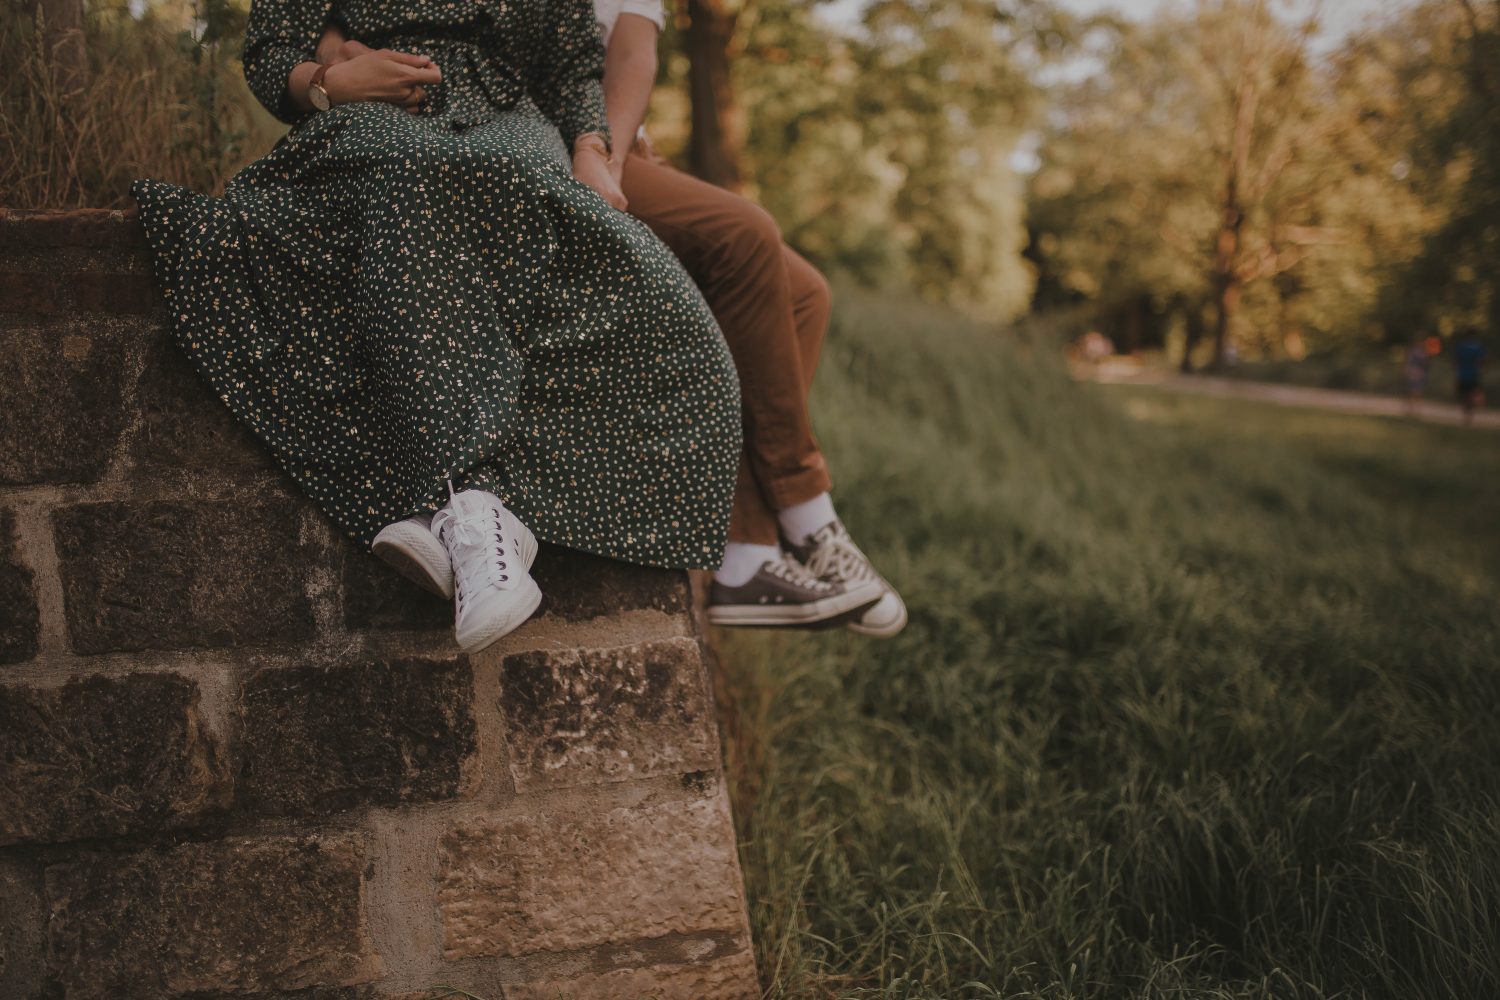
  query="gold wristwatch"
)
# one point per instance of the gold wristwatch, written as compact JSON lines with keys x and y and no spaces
{"x":317,"y":96}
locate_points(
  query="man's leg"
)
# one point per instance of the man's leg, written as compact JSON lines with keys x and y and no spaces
{"x":773,"y":307}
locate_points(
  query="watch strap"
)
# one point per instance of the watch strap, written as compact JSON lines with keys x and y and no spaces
{"x":316,"y":84}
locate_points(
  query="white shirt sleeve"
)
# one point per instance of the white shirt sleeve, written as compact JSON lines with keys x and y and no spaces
{"x":607,"y":12}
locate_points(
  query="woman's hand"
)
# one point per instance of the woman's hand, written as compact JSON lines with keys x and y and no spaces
{"x":381,"y":75}
{"x":327,"y":51}
{"x":334,"y":48}
{"x":591,"y":166}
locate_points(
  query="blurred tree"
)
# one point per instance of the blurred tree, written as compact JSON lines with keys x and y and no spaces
{"x":1202,"y":150}
{"x":884,"y":152}
{"x":717,"y":134}
{"x":1455,"y":280}
{"x":1215,"y":177}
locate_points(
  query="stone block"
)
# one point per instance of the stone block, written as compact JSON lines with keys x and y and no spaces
{"x":237,"y":915}
{"x":26,"y":230}
{"x":112,"y":291}
{"x":20,"y":619}
{"x":556,"y":881}
{"x":183,"y":425}
{"x":577,"y":716}
{"x":28,"y":292}
{"x":62,"y":397}
{"x":183,"y":574}
{"x":23,"y":916}
{"x":103,"y":756}
{"x":579,"y":585}
{"x":321,"y":739}
{"x":729,"y":978}
{"x":377,"y":597}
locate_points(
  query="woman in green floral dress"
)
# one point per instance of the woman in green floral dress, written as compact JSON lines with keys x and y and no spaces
{"x":421,"y":305}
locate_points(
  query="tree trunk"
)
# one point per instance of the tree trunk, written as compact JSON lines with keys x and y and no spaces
{"x":718,"y":130}
{"x":1226,"y":311}
{"x":61,"y":23}
{"x":1192,"y":334}
{"x":1227,"y":282}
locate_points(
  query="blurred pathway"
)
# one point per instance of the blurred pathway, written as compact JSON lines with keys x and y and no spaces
{"x":1123,"y":371}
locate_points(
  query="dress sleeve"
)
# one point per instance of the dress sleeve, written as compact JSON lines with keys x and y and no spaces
{"x":279,"y":35}
{"x":570,"y":71}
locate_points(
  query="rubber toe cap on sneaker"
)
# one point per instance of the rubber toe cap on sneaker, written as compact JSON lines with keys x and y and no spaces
{"x":883,"y":619}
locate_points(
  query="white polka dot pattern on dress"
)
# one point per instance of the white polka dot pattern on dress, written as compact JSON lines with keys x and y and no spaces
{"x":389,"y":300}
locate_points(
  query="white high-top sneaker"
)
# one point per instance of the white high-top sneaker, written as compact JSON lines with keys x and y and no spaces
{"x":489,"y":548}
{"x":411,"y":549}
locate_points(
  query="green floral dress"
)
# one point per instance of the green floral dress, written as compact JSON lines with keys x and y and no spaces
{"x":390,"y":300}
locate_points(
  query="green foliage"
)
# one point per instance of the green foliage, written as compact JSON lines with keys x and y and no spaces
{"x":1196,"y":700}
{"x":885,"y":154}
{"x":1367,"y":183}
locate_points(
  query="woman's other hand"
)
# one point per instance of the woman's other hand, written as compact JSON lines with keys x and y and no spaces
{"x":328,"y":51}
{"x":334,"y":47}
{"x":398,"y":78}
{"x":591,"y":166}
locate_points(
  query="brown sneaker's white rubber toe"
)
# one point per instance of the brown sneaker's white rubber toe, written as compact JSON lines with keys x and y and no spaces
{"x":831,"y":555}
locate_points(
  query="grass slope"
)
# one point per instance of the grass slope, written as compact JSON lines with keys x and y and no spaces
{"x":1199,"y":698}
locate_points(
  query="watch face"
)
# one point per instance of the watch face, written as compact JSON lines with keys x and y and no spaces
{"x":318,"y":97}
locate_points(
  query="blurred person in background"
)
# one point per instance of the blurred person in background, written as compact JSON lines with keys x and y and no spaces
{"x":1468,"y":358}
{"x":1414,"y":366}
{"x":790,"y":561}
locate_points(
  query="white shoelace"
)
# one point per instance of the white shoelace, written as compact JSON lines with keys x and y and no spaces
{"x":838,"y":558}
{"x":790,"y":570}
{"x":476,"y":544}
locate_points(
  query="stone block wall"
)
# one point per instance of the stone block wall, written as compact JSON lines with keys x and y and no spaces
{"x":241,"y":759}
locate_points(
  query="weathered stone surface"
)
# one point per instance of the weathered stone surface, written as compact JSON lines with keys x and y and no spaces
{"x":579,"y":585}
{"x":557,"y":881}
{"x":606,"y":714}
{"x":183,"y":425}
{"x":20,"y":621}
{"x":320,"y":739}
{"x":61,"y":397}
{"x":27,"y":292}
{"x":729,"y":978}
{"x":95,"y":228}
{"x":22,"y":917}
{"x":236,"y":915}
{"x":103,"y":756}
{"x":111,"y":291}
{"x":377,"y":597}
{"x":176,"y":575}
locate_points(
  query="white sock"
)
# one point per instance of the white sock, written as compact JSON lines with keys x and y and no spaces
{"x":743,"y":560}
{"x":801,"y":520}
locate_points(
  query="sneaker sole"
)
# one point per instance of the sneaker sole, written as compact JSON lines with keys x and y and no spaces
{"x":516,"y":615}
{"x":413,"y":552}
{"x":416,"y":554}
{"x":794,"y":615}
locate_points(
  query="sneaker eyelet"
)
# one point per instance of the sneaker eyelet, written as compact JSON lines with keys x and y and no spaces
{"x":504,"y":577}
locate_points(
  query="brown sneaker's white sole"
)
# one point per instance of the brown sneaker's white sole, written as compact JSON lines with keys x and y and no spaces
{"x":796,"y":615}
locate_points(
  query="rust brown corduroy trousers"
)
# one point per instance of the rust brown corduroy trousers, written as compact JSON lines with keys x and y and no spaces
{"x":773,"y":307}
